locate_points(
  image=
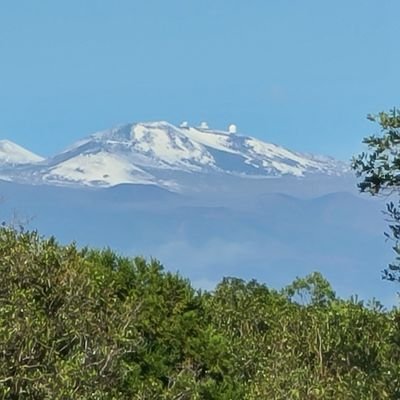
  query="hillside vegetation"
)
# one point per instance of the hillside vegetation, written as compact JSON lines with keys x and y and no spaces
{"x":89,"y":324}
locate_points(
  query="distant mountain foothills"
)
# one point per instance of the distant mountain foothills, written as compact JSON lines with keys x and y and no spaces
{"x":161,"y":154}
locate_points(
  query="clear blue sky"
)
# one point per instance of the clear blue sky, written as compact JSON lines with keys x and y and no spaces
{"x":303,"y":74}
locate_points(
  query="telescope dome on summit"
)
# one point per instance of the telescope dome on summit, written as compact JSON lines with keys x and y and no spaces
{"x":232,"y":128}
{"x":204,"y":125}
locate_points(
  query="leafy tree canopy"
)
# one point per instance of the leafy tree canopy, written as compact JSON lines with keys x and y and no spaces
{"x":90,"y":324}
{"x":379,"y":168}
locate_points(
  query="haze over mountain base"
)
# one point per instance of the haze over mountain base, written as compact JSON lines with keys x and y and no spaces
{"x":270,"y":236}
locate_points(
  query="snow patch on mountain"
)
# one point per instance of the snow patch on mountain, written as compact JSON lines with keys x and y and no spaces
{"x":215,"y":139}
{"x":100,"y":169}
{"x":169,"y":146}
{"x":12,"y":153}
{"x":283,"y":160}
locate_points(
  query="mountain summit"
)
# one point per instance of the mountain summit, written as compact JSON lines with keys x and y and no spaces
{"x":147,"y":153}
{"x":13,"y":154}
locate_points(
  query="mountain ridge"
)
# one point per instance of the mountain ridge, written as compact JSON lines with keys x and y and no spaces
{"x":138,"y":153}
{"x":14,"y":154}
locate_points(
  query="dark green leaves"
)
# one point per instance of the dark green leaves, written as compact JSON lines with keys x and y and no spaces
{"x":379,"y":169}
{"x":89,"y":324}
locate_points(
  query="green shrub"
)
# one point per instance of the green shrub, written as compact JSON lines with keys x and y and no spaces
{"x":89,"y":324}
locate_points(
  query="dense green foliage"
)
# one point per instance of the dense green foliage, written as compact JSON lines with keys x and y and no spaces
{"x":88,"y":324}
{"x":379,"y":168}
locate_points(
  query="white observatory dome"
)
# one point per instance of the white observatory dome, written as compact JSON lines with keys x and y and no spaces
{"x":232,"y":128}
{"x":204,"y":125}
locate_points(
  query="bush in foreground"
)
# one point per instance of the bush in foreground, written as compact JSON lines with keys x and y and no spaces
{"x":89,"y":324}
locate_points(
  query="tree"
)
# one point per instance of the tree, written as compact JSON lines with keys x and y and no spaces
{"x":314,"y":290}
{"x":379,"y":168}
{"x":90,"y":324}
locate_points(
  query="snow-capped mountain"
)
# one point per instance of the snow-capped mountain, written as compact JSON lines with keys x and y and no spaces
{"x":207,"y":203}
{"x":11,"y":153}
{"x":145,"y":153}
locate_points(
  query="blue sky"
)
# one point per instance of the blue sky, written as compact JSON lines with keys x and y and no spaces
{"x":303,"y":74}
